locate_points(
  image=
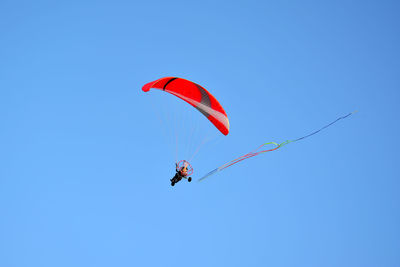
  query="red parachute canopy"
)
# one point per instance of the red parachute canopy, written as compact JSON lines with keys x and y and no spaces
{"x":196,"y":96}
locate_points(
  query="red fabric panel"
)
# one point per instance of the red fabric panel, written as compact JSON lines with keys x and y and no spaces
{"x":193,"y":92}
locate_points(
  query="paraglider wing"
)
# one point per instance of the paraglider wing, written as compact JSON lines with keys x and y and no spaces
{"x":195,"y":95}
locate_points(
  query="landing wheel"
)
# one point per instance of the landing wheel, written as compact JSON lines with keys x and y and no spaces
{"x":189,"y":179}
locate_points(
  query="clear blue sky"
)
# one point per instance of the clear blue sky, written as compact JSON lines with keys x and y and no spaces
{"x":84,"y":171}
